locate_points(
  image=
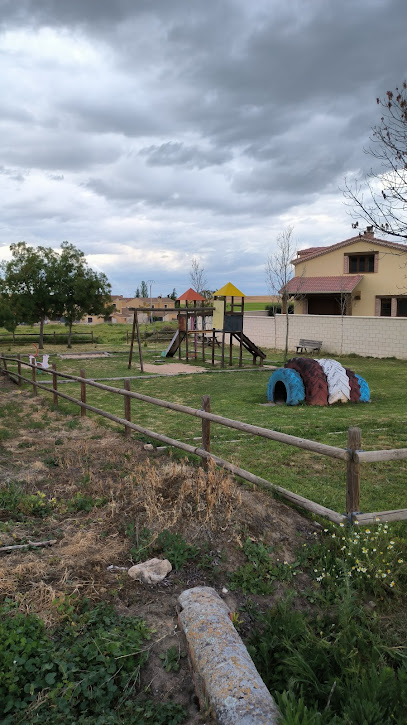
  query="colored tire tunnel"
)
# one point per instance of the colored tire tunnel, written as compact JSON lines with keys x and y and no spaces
{"x":317,"y":382}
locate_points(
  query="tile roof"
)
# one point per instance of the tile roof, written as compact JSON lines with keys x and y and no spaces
{"x":313,"y":285}
{"x":312,"y":252}
{"x":191,"y":295}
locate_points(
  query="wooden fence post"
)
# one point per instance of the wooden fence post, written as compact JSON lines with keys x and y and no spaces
{"x":91,"y":332}
{"x":55,"y":338}
{"x":19,"y":383}
{"x":353,"y":472}
{"x":34,"y":379}
{"x":127,"y":407}
{"x":55,"y":383}
{"x":206,"y":428}
{"x":83,"y":392}
{"x":5,"y":364}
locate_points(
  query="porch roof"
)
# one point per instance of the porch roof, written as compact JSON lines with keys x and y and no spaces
{"x":323,"y":285}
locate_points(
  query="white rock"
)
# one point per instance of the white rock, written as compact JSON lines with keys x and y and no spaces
{"x":148,"y":447}
{"x":151,"y":571}
{"x":224,"y":590}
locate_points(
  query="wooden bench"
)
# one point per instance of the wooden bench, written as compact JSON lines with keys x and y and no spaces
{"x":314,"y":345}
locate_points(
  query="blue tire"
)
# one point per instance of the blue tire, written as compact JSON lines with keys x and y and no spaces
{"x":364,"y":389}
{"x":285,"y":386}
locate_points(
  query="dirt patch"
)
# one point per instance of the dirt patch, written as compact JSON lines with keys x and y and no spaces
{"x":106,"y":501}
{"x":173,"y":368}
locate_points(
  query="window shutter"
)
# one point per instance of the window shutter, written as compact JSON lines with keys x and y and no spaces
{"x":377,"y":307}
{"x":376,"y":262}
{"x":345,"y":264}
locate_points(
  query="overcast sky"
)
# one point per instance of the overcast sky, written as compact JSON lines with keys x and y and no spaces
{"x":149,"y":132}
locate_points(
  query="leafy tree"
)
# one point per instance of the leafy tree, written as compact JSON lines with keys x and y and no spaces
{"x":197,"y":276}
{"x":28,"y":282}
{"x":137,"y":294}
{"x":279,"y":271}
{"x":173,"y":295}
{"x":143,"y":289}
{"x":9,"y":314}
{"x":382,"y":199}
{"x":79,"y":289}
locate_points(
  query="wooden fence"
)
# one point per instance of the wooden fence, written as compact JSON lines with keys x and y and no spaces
{"x":353,"y":455}
{"x":51,"y":336}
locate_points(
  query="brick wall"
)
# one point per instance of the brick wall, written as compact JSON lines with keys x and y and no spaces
{"x":366,"y":336}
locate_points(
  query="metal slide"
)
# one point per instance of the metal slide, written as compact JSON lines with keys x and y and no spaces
{"x":174,"y":344}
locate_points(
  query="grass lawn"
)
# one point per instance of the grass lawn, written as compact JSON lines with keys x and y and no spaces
{"x":241,"y":395}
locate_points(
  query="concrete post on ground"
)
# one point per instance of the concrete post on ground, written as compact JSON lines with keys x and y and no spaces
{"x":225,"y":677}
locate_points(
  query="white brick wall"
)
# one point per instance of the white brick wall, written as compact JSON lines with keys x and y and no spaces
{"x":373,"y":336}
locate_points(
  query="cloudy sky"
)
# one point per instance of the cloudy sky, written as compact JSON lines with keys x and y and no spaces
{"x":149,"y":132}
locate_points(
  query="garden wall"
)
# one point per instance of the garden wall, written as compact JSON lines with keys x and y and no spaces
{"x":366,"y":336}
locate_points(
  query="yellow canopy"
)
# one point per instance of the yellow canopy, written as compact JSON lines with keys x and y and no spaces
{"x":228,"y":290}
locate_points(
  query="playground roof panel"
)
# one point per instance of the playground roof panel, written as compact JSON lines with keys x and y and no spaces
{"x":228,"y":290}
{"x":191,"y":296}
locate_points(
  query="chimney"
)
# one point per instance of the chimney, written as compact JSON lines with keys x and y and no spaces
{"x":369,"y":232}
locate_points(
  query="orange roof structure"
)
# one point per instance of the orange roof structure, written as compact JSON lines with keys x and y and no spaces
{"x":191,"y":296}
{"x":228,"y":290}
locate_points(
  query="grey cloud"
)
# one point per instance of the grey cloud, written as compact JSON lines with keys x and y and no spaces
{"x":178,"y":154}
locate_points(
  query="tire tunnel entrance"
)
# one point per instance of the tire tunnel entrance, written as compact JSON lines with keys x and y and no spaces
{"x":280,"y":393}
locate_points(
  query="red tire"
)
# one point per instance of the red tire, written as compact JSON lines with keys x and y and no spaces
{"x":354,"y":386}
{"x":313,"y":377}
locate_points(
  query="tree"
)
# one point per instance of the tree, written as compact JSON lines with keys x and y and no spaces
{"x":137,"y":292}
{"x":143,"y":289}
{"x":173,"y":295}
{"x":197,"y":276}
{"x":279,"y":272}
{"x":28,"y":284}
{"x":9,"y":314}
{"x":79,"y":290}
{"x":382,"y":199}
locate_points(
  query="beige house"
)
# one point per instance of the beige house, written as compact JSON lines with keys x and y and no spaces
{"x":360,"y":276}
{"x":125,"y":306}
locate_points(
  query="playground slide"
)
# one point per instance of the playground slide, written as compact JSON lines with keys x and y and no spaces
{"x":174,"y":344}
{"x":250,"y":346}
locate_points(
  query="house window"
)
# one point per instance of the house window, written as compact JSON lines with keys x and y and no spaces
{"x":165,"y":307}
{"x":90,"y":319}
{"x":385,"y":307}
{"x":402,"y":307}
{"x":361,"y":263}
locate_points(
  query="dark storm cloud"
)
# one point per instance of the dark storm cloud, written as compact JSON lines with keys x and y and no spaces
{"x":178,"y":154}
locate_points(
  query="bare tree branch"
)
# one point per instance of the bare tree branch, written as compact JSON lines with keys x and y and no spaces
{"x":382,"y":198}
{"x":197,"y":276}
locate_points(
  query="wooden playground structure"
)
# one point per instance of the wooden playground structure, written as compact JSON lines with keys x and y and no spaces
{"x":227,"y":314}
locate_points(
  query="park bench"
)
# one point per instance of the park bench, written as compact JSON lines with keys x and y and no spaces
{"x":314,"y":345}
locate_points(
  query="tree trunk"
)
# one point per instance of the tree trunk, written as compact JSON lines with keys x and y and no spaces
{"x":70,"y":335}
{"x":41,"y":343}
{"x":286,"y":334}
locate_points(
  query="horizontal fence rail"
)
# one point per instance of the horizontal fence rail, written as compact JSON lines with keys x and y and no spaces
{"x":352,"y":455}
